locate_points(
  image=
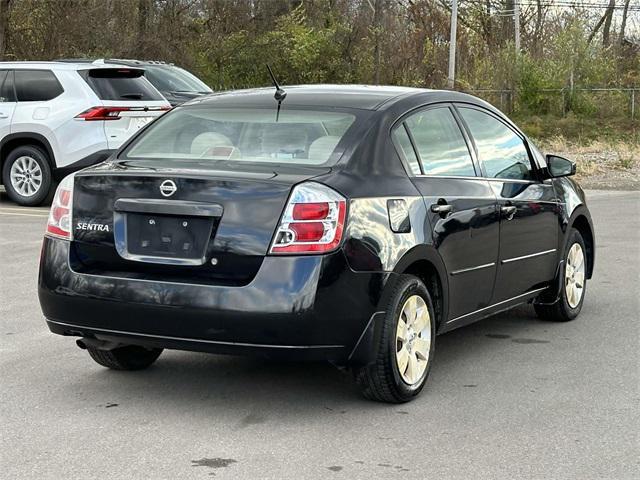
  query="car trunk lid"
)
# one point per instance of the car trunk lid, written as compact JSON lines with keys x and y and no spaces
{"x":204,"y":224}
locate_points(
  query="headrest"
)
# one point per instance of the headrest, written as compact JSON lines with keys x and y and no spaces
{"x":206,"y":141}
{"x":322,"y":148}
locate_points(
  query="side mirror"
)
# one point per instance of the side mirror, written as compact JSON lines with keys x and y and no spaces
{"x":559,"y":167}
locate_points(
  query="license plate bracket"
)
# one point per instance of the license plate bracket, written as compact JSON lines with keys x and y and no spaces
{"x":167,"y":236}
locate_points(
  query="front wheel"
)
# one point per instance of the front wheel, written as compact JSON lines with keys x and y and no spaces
{"x":405,"y":350}
{"x":573,"y":284}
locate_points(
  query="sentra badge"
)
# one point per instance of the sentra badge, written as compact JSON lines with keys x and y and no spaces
{"x":94,"y":227}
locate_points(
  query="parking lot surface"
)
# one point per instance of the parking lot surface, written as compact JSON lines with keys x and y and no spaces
{"x":509,"y":397}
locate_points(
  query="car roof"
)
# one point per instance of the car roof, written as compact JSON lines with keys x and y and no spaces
{"x":127,"y":61}
{"x":117,"y":61}
{"x":365,"y":97}
{"x":59,"y":65}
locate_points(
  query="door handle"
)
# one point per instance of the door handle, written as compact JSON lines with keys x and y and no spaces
{"x":442,"y":208}
{"x":508,"y":211}
{"x":2,"y":115}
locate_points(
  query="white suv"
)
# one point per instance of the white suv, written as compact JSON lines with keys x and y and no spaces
{"x":56,"y":118}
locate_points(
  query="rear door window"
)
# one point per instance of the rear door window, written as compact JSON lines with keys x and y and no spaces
{"x":6,"y":87}
{"x":120,"y":84}
{"x":441,"y":147}
{"x":403,"y":142}
{"x":36,"y":85}
{"x":502,"y":152}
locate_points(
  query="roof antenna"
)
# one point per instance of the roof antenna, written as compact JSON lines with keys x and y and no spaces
{"x":280,"y":93}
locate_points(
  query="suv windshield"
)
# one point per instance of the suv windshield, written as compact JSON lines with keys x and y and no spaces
{"x":298,"y":137}
{"x":174,"y":79}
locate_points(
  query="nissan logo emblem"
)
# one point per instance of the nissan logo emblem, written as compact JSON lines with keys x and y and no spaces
{"x":168,"y":188}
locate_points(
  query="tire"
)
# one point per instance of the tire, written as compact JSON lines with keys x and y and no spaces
{"x":568,"y":306}
{"x":130,"y":357}
{"x":383,"y":379}
{"x":34,"y":162}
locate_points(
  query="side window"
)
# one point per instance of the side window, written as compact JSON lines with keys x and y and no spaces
{"x":502,"y":153}
{"x":6,"y":86}
{"x":441,"y":147}
{"x":36,"y":85}
{"x":402,"y":141}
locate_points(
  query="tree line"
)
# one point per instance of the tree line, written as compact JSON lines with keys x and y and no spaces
{"x":564,"y":43}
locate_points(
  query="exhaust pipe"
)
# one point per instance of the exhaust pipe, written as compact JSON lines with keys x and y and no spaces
{"x":85,"y":343}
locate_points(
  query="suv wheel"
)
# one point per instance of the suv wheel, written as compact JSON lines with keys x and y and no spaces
{"x":406,"y":347}
{"x":573,"y":285}
{"x":130,"y":357}
{"x":26,"y":175}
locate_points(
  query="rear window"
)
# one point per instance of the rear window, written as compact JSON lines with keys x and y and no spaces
{"x":36,"y":85}
{"x":297,"y":137}
{"x":174,"y":80}
{"x":120,"y":84}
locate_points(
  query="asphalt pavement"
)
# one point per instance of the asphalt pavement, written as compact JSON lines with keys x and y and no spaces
{"x":509,"y":397}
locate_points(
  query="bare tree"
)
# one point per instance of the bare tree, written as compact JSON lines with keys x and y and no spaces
{"x":606,"y":32}
{"x":4,"y":25}
{"x":377,"y":25}
{"x":144,"y":9}
{"x":538,"y":28}
{"x":625,"y":12}
{"x":605,"y":19}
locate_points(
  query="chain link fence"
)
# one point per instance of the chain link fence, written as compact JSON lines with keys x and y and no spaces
{"x":603,"y":102}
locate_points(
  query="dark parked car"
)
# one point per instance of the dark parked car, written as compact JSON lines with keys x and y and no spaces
{"x":176,"y":84}
{"x":343,"y":223}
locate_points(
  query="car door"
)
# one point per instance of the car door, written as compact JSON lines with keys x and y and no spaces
{"x":461,"y":206}
{"x":7,"y":102}
{"x":528,"y":207}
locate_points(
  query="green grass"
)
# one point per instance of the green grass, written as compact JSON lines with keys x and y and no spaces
{"x":581,"y":130}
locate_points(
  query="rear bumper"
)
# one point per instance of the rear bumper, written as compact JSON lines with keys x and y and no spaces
{"x":306,"y":307}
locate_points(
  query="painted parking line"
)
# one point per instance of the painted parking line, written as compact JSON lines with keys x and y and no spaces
{"x":22,"y":214}
{"x":24,"y":210}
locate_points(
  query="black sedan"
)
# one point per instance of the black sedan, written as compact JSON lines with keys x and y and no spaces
{"x":340,"y":223}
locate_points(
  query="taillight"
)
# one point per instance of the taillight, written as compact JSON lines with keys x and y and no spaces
{"x":312,"y":222}
{"x":59,"y":224}
{"x":113,"y":113}
{"x":101,"y":113}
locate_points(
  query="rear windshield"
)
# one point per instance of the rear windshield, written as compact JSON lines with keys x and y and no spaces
{"x":120,"y":84}
{"x":297,"y":137}
{"x":174,"y":80}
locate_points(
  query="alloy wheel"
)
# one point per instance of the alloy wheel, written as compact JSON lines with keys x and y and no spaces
{"x":26,"y":176}
{"x":413,"y":339}
{"x":574,"y":275}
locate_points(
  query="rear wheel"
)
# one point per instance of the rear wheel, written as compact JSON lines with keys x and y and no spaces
{"x":573,"y":285}
{"x":130,"y":357}
{"x":406,"y":347}
{"x":26,"y":175}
